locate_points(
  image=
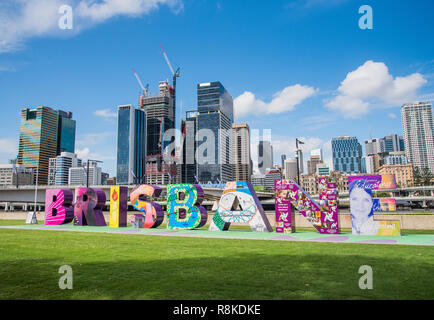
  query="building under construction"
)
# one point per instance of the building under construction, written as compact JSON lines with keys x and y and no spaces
{"x":160,"y":129}
{"x":160,"y":111}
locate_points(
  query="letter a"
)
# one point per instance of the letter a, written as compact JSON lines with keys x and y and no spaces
{"x":366,"y":21}
{"x":65,"y":21}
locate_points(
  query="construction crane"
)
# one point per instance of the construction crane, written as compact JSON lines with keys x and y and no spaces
{"x":175,"y":75}
{"x":145,"y":90}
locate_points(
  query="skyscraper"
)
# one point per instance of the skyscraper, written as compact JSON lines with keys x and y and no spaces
{"x":290,"y":169}
{"x":241,"y":150}
{"x":391,"y":143}
{"x":372,"y":146}
{"x":283,"y":157}
{"x":77,"y":175}
{"x":314,"y":161}
{"x":265,"y":156}
{"x":418,"y":128}
{"x":66,"y":132}
{"x":131,"y":149}
{"x":347,"y":155}
{"x":189,"y":147}
{"x":38,"y":140}
{"x":214,"y":121}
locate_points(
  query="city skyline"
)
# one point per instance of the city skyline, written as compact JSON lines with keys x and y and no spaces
{"x":311,"y":93}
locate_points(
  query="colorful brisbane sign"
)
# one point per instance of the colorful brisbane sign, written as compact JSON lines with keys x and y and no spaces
{"x":239,"y":203}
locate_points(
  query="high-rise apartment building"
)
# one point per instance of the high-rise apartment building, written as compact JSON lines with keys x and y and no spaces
{"x":77,"y":175}
{"x":347,"y":154}
{"x":214,"y":125}
{"x":418,"y":128}
{"x":314,"y":161}
{"x":372,"y":146}
{"x":58,"y":171}
{"x":131,"y":148}
{"x":398,"y":157}
{"x":38,"y":140}
{"x":290,"y":169}
{"x":265,"y":156}
{"x":241,"y":152}
{"x":392,"y":143}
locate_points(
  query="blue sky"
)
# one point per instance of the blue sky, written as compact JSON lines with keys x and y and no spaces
{"x":301,"y":68}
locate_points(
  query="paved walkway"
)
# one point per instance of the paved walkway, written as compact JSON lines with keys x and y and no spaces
{"x":409,"y":239}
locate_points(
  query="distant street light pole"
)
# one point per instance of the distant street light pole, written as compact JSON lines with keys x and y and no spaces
{"x":36,"y":188}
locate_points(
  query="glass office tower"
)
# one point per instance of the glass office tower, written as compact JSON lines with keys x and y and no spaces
{"x":189,"y":147}
{"x":347,"y":155}
{"x":265,"y":156}
{"x":215,"y":118}
{"x":66,"y":131}
{"x":131,"y":149}
{"x":38,"y":140}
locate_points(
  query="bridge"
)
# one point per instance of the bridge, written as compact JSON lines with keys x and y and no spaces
{"x":23,"y":197}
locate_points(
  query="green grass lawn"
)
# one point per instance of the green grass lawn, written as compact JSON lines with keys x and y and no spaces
{"x":119,"y":266}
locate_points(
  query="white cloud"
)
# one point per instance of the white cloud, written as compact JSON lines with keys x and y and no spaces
{"x":283,"y":101}
{"x":8,"y":146}
{"x":83,"y":153}
{"x":107,"y":9}
{"x":286,"y":145}
{"x":6,"y":68}
{"x":98,"y":146}
{"x":371,"y":83}
{"x":391,"y":115}
{"x":317,"y":122}
{"x":92,"y":139}
{"x":105,"y":113}
{"x":23,"y":19}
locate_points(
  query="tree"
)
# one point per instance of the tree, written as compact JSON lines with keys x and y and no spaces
{"x":417,"y":176}
{"x":426,"y":176}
